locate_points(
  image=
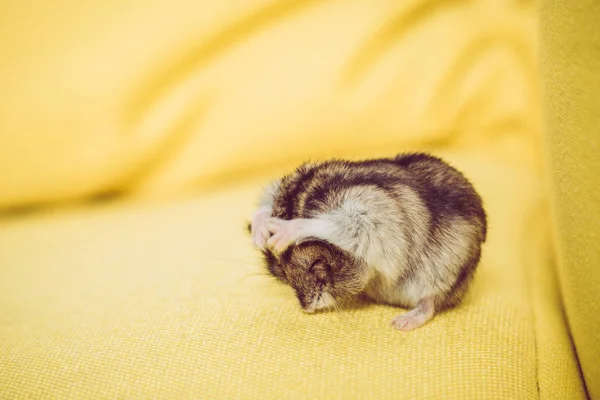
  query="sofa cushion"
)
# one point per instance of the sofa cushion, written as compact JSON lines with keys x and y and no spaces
{"x":571,"y":61}
{"x":169,"y":300}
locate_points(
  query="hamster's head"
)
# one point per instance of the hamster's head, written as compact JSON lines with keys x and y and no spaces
{"x":320,"y":273}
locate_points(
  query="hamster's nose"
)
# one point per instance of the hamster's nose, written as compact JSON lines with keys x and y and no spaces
{"x":309,"y":310}
{"x":307,"y":305}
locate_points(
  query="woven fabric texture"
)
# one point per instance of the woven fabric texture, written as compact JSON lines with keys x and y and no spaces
{"x":171,"y":302}
{"x":571,"y":61}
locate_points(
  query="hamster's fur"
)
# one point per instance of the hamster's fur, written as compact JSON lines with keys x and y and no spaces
{"x":406,"y":231}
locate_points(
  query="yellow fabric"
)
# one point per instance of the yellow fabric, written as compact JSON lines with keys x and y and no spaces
{"x":140,"y":299}
{"x":137,"y":301}
{"x":165,"y":96}
{"x":571,"y":61}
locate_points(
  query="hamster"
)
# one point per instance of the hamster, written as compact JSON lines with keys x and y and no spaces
{"x":406,"y":231}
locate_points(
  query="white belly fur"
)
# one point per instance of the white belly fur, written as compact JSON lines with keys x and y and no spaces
{"x":405,"y":294}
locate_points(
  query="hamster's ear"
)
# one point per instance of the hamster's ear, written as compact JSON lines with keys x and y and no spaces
{"x":308,"y":239}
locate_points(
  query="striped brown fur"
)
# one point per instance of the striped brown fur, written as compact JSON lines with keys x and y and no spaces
{"x":405,"y":230}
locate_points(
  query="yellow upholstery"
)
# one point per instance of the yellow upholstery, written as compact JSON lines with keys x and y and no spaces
{"x":199,"y":103}
{"x":571,"y":59}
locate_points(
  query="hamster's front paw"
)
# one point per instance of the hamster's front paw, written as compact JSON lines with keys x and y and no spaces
{"x":260,"y":230}
{"x":285,"y":232}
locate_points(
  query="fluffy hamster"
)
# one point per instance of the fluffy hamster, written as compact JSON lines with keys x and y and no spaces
{"x":405,"y":231}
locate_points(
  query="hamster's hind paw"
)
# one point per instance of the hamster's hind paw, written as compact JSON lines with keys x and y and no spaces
{"x":416,"y":317}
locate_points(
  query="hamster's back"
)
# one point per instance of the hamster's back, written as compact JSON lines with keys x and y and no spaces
{"x":317,"y":186}
{"x":444,"y":189}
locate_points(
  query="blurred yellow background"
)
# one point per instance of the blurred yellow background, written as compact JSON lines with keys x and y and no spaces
{"x":181,"y":110}
{"x":159,"y":97}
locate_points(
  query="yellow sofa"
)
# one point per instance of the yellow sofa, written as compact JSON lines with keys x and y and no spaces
{"x":571,"y":71}
{"x":135,"y":137}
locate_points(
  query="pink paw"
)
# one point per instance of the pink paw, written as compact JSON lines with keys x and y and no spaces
{"x":260,"y":230}
{"x":285,"y":232}
{"x":409,"y":321}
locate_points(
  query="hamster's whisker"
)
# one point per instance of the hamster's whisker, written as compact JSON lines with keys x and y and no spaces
{"x":255,"y":274}
{"x":336,"y":305}
{"x":253,"y":262}
{"x":236,"y":259}
{"x":342,"y":305}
